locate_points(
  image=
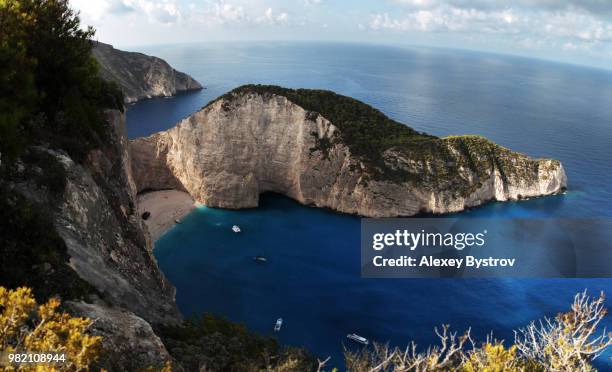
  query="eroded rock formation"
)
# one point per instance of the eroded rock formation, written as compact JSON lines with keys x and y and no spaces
{"x":256,"y":139}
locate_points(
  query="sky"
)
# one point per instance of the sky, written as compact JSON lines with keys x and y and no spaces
{"x":572,"y":31}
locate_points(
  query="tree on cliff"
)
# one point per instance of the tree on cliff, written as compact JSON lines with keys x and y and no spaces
{"x":50,"y":90}
{"x":28,"y":327}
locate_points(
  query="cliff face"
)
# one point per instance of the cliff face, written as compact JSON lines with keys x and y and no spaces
{"x":96,"y":215}
{"x":141,"y":76}
{"x":106,"y":238}
{"x":247,"y":143}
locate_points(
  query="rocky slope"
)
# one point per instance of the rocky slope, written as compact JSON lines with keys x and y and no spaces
{"x":95,"y":213}
{"x":106,"y":237}
{"x":134,"y":344}
{"x":139,"y":75}
{"x":257,"y":139}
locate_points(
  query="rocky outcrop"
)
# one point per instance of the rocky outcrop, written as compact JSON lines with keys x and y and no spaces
{"x":139,"y":75}
{"x":249,"y":142}
{"x":94,"y":210}
{"x":129,"y":341}
{"x":106,"y":238}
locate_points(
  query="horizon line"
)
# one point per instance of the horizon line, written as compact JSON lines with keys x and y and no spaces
{"x":369,"y":43}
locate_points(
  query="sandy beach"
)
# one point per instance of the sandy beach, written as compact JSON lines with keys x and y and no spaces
{"x":165,"y":207}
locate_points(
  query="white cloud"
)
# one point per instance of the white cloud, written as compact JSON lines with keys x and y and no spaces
{"x":92,"y":9}
{"x":164,"y":11}
{"x":569,"y":46}
{"x":418,"y":3}
{"x":580,"y":27}
{"x":447,"y":19}
{"x":272,"y":18}
{"x":221,"y":12}
{"x":596,"y":7}
{"x":159,"y":11}
{"x":559,"y":28}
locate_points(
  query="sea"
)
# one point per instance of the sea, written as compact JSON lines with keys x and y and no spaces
{"x":312,"y":277}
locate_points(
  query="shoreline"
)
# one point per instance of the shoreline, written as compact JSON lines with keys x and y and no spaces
{"x":165,"y":207}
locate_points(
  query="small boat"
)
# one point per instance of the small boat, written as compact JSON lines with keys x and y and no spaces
{"x":177,"y":221}
{"x":260,"y":259}
{"x":236,"y":228}
{"x":278,"y":325}
{"x":357,"y":338}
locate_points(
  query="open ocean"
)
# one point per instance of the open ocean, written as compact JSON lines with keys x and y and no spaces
{"x":312,"y":277}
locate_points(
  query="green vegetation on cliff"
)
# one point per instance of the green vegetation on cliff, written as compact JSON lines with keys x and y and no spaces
{"x":50,"y":91}
{"x":366,"y":130}
{"x":50,"y":95}
{"x":214,"y":344}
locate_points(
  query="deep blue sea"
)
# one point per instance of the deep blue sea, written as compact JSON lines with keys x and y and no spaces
{"x":312,"y":277}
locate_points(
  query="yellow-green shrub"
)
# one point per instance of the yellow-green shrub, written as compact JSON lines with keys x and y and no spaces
{"x":26,"y":326}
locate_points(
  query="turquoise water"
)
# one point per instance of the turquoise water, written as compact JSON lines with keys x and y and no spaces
{"x":312,"y":277}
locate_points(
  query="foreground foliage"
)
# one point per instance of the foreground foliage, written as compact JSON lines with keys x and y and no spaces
{"x":215,"y":344}
{"x":26,"y":326}
{"x":569,"y":342}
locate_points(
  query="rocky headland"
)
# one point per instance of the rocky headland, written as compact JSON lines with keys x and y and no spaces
{"x":331,"y":151}
{"x":141,"y":76}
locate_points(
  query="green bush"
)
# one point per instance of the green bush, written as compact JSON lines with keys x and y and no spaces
{"x":221,"y":345}
{"x":50,"y":91}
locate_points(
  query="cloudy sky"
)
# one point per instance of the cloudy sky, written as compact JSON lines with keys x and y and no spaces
{"x":575,"y":31}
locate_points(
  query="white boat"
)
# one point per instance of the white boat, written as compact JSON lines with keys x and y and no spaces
{"x":278,"y":325}
{"x":357,"y":338}
{"x":236,"y":228}
{"x":260,"y":259}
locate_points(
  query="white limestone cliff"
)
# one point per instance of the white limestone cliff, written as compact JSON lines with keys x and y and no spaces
{"x":240,"y":146}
